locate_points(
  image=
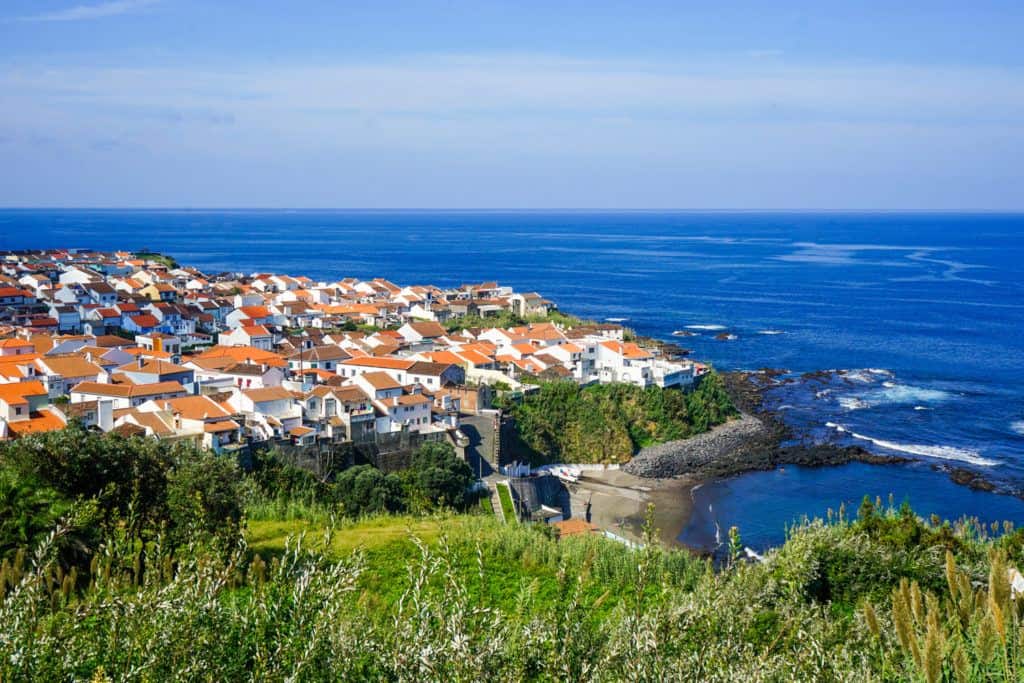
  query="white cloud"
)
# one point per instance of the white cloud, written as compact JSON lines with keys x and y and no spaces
{"x":509,"y":87}
{"x":560,"y":132}
{"x":97,"y":11}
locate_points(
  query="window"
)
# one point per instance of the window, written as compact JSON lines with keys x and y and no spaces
{"x":17,"y":410}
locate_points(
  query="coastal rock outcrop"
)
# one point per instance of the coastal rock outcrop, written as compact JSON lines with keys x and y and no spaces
{"x":697,"y":453}
{"x":742,"y":445}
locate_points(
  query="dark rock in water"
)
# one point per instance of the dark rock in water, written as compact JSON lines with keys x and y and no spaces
{"x":674,"y":350}
{"x":725,"y":336}
{"x":966,"y":477}
{"x":821,"y":375}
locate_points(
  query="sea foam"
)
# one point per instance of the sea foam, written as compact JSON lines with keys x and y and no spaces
{"x":894,"y":394}
{"x":1018,"y":427}
{"x":708,"y":328}
{"x":940,"y":452}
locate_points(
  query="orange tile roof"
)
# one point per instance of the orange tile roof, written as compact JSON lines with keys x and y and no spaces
{"x":255,"y":311}
{"x":267,"y":394}
{"x":627,"y":350}
{"x":241,"y":353}
{"x":128,"y":390}
{"x":71,"y":366}
{"x":428,"y":329}
{"x":346,"y":309}
{"x":16,"y":393}
{"x":194,"y":407}
{"x":390,"y":363}
{"x":220,"y":426}
{"x":154,"y":367}
{"x":381,"y":380}
{"x":145,"y":320}
{"x":41,"y":421}
{"x":575,"y":527}
{"x":475,"y":357}
{"x":444,"y":357}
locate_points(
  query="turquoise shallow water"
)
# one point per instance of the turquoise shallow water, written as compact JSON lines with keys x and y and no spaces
{"x":925,"y":311}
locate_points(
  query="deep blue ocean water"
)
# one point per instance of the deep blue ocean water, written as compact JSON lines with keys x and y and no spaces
{"x":925,"y":311}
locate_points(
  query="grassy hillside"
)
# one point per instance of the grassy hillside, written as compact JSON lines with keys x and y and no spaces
{"x":562,"y":422}
{"x":883,"y":597}
{"x":132,"y":559}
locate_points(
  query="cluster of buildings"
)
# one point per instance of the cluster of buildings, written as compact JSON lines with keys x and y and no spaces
{"x":140,"y":346}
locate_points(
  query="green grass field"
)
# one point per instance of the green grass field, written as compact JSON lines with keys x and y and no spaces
{"x":515,"y":557}
{"x":269,"y":536}
{"x":508,"y":508}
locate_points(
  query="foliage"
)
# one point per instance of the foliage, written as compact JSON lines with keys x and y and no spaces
{"x":881,"y":596}
{"x":203,"y":498}
{"x":467,"y":599}
{"x":364,"y":489}
{"x":506,"y":319}
{"x":440,"y":478}
{"x":562,"y":422}
{"x":142,"y":486}
{"x":156,"y":257}
{"x":437,"y":478}
{"x":28,"y":511}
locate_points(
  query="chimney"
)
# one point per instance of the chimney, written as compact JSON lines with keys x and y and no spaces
{"x":105,"y":415}
{"x":140,"y":361}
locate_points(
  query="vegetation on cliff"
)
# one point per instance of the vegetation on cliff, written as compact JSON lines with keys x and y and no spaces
{"x":505,"y":319}
{"x":885,"y":596}
{"x":563,"y":422}
{"x":156,"y":257}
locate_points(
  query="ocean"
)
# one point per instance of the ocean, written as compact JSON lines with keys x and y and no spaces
{"x":925,"y":312}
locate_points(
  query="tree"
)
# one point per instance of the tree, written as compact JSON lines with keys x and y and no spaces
{"x":28,"y":511}
{"x":364,"y":489}
{"x":203,"y":497}
{"x":439,"y":477}
{"x":127,"y":477}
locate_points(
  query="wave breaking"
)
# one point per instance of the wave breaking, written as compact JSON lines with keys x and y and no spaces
{"x":939,"y":452}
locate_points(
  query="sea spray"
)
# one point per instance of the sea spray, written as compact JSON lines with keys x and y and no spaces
{"x":940,"y":452}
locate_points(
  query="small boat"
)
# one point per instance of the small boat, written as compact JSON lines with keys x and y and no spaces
{"x":568,"y":475}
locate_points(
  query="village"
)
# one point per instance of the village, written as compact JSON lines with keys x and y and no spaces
{"x":136,"y":345}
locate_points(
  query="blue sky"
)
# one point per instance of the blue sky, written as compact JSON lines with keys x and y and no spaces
{"x":175,"y":103}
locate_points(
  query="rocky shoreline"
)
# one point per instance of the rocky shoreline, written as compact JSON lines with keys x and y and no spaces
{"x":746,"y":444}
{"x":760,"y":440}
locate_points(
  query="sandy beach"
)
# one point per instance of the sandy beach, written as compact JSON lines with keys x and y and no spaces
{"x":618,"y":503}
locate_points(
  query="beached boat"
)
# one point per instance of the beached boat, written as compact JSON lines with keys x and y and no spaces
{"x":567,"y":474}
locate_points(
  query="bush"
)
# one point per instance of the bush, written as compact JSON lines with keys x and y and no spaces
{"x":139,"y":486}
{"x":440,"y":478}
{"x":563,"y":422}
{"x":364,"y":490}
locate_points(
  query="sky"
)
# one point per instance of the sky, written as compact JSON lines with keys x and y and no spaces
{"x":584,"y":104}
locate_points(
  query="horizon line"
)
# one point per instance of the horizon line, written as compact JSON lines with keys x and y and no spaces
{"x":269,"y":209}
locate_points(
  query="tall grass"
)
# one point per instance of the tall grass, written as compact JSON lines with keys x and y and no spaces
{"x":883,"y":597}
